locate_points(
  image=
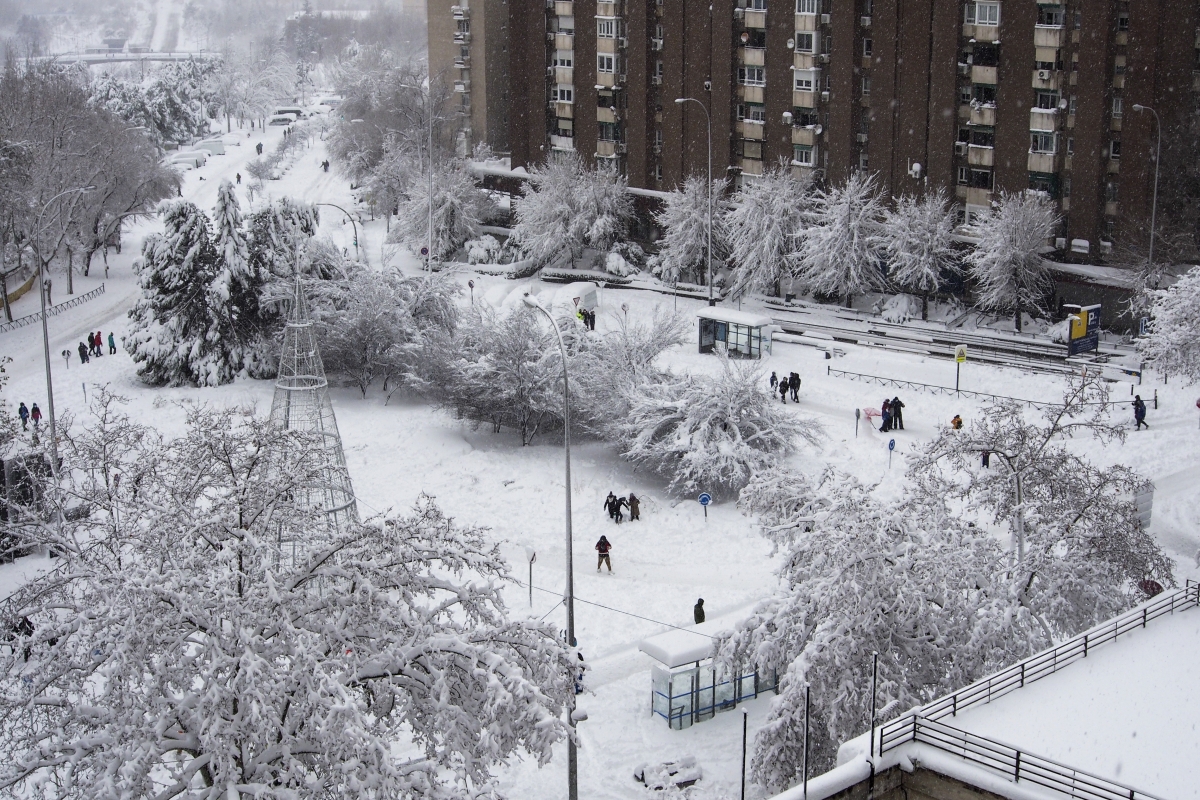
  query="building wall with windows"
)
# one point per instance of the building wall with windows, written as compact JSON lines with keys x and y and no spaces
{"x":468,"y":53}
{"x":977,"y":96}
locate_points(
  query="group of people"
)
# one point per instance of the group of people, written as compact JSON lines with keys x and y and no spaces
{"x":788,"y":385}
{"x":588,"y":318}
{"x":615,"y":507}
{"x":27,"y":416}
{"x":893,"y":415}
{"x":95,"y":346}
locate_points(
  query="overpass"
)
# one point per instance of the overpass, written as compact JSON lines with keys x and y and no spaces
{"x":118,"y":57}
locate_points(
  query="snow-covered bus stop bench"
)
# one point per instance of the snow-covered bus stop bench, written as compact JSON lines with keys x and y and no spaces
{"x":686,"y":686}
{"x":739,"y":334}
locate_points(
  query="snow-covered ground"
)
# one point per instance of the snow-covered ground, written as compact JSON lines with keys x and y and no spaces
{"x":663,"y":563}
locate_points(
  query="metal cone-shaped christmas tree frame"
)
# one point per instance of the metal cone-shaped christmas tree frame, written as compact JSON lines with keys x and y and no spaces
{"x":301,"y":403}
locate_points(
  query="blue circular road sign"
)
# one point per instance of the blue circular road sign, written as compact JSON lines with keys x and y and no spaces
{"x":891,"y":444}
{"x":705,"y":498}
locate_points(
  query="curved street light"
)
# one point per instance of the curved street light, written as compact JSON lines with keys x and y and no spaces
{"x":1157,"y":153}
{"x":708,"y":255}
{"x":352,"y":223}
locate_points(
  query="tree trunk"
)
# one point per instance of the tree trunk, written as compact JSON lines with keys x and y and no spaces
{"x":4,"y":291}
{"x":925,"y":307}
{"x":849,"y":297}
{"x":1017,"y":319}
{"x":87,"y":260}
{"x":70,"y":272}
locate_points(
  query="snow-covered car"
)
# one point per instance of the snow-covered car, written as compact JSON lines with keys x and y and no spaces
{"x":214,"y":146}
{"x":195,"y":158}
{"x":294,"y":111}
{"x":681,"y":773}
{"x":281,"y":119}
{"x":231,"y":138}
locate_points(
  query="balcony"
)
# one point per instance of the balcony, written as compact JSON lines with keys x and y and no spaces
{"x":979,"y":156}
{"x":460,"y":11}
{"x":1046,"y":79}
{"x":752,"y":129}
{"x":1111,"y":209}
{"x":564,"y":41}
{"x":804,"y":61}
{"x":1115,"y":124}
{"x":983,"y":33}
{"x":986,"y":75}
{"x":605,"y":9}
{"x":606,"y":115}
{"x":606,"y":149}
{"x":562,"y":143}
{"x":806,"y":135}
{"x":462,"y":62}
{"x":564,"y":75}
{"x":751,"y":94}
{"x":1043,"y":119}
{"x":752,"y":166}
{"x":564,"y":110}
{"x":1047,"y":36}
{"x":462,"y":37}
{"x":752,"y":56}
{"x":806,"y":22}
{"x":978,"y":197}
{"x":801,"y":172}
{"x":983,"y":115}
{"x":461,"y":87}
{"x":756,"y":20}
{"x":564,"y":8}
{"x":804,"y":99}
{"x":606,"y":79}
{"x":1041,"y":162}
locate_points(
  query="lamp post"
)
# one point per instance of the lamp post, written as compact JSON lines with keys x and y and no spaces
{"x":353,"y":224}
{"x":708,"y":122}
{"x":1157,"y":153}
{"x":37,"y":244}
{"x":569,"y":595}
{"x":428,"y":90}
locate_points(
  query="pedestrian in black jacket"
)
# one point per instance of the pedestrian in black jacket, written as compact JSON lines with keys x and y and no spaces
{"x":610,"y":505}
{"x":897,"y":413}
{"x":698,"y":611}
{"x":794,"y":385}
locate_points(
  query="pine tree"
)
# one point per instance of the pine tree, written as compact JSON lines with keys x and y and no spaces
{"x":839,"y":251}
{"x":918,"y":243}
{"x":766,"y":217}
{"x":1010,"y":274}
{"x":242,"y":322}
{"x":684,"y":220}
{"x":1172,"y":345}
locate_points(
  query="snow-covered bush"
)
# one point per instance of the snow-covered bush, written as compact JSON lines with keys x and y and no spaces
{"x":615,"y":264}
{"x":1010,"y":274}
{"x":766,"y":217}
{"x":900,"y":308}
{"x":484,"y":250}
{"x":459,"y":208}
{"x":706,"y":433}
{"x":838,"y":251}
{"x":1172,"y":344}
{"x":917,"y":240}
{"x":187,"y":653}
{"x":684,"y":220}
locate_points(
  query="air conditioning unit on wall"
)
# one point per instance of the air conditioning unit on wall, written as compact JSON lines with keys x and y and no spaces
{"x":960,"y":148}
{"x":1043,"y":74}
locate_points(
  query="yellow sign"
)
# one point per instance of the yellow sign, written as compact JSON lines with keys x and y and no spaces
{"x":960,"y":354}
{"x":1079,"y":324}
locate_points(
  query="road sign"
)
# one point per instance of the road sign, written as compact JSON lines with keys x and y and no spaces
{"x":576,"y":300}
{"x":424,"y":251}
{"x":891,"y":444}
{"x":471,"y":284}
{"x":705,"y":498}
{"x":960,"y":354}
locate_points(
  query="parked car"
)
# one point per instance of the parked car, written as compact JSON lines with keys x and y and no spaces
{"x":193,"y":158}
{"x":281,"y":119}
{"x":214,"y":146}
{"x":295,"y":111}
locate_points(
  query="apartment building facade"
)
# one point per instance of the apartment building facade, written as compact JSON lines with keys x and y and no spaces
{"x":468,"y":54}
{"x":976,"y":96}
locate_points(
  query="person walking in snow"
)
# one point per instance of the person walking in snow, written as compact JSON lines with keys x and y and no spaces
{"x":35,"y":414}
{"x":794,"y":385}
{"x":603,"y":547}
{"x":610,"y":505}
{"x":783,"y":392}
{"x":897,"y":413}
{"x":91,"y":341}
{"x":99,"y":343}
{"x":83,"y":353}
{"x":1139,"y":413}
{"x":112,"y":344}
{"x":259,"y":148}
{"x":634,"y":507}
{"x":956,"y":423}
{"x":621,"y":503}
{"x":239,"y":179}
{"x":774,"y":382}
{"x":23,"y":413}
{"x":698,"y":611}
{"x":887,"y":417}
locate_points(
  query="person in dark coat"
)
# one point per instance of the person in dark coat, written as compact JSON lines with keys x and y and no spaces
{"x":698,"y":611}
{"x":794,"y":385}
{"x":783,"y":391}
{"x":1139,"y":413}
{"x":83,"y":353}
{"x":603,"y":547}
{"x":897,"y":414}
{"x":621,"y":503}
{"x":987,"y":459}
{"x":23,"y":413}
{"x":610,"y":505}
{"x":634,"y":507}
{"x":887,"y":417}
{"x":239,"y":178}
{"x":91,"y":341}
{"x":259,"y":148}
{"x":774,"y":382}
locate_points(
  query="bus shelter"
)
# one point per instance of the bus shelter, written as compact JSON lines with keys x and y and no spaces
{"x":738,"y":334}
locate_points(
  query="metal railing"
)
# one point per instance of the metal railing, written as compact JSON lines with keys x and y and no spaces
{"x":922,"y":724}
{"x":949,"y":390}
{"x":1018,"y":765}
{"x":21,"y":322}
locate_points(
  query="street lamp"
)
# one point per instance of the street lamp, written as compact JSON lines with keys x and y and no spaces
{"x":708,"y":121}
{"x":569,"y":595}
{"x":353,"y":224}
{"x":37,"y":244}
{"x":1157,"y":153}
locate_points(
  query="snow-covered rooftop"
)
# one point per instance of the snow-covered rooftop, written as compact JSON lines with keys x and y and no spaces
{"x":734,"y":316}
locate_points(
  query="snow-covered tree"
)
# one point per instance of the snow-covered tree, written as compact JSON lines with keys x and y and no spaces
{"x":567,"y":207}
{"x":182,"y":651}
{"x":838,"y":252}
{"x":1172,"y":344}
{"x":1010,"y":274}
{"x":917,"y":239}
{"x":764,"y":222}
{"x":459,"y":208}
{"x":684,"y":220}
{"x":245,"y":324}
{"x":709,"y":433}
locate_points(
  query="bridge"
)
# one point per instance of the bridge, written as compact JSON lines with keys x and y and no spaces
{"x":117,"y":57}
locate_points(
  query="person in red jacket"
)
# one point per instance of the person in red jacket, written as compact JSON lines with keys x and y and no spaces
{"x":603,"y":547}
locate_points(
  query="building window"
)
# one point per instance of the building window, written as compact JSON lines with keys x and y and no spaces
{"x":754,"y":112}
{"x":1110,"y":192}
{"x":658,"y":173}
{"x":758,"y":5}
{"x":658,"y":68}
{"x":1118,"y":106}
{"x":1047,"y":99}
{"x":566,"y":25}
{"x":864,"y":162}
{"x":1050,"y":16}
{"x":868,"y":47}
{"x":1078,"y":20}
{"x":804,"y":117}
{"x":1045,"y":182}
{"x":606,"y":63}
{"x":964,"y":176}
{"x":564,"y":127}
{"x":658,"y":138}
{"x":1123,"y":21}
{"x":564,"y":58}
{"x":1070,"y":145}
{"x":1114,"y":150}
{"x":1066,"y":186}
{"x":609,"y":132}
{"x":980,"y":179}
{"x":606,"y":28}
{"x":563,"y":93}
{"x":752,"y":76}
{"x":985,"y":55}
{"x":806,"y":6}
{"x":464,"y":26}
{"x":751,"y":149}
{"x":866,"y":84}
{"x":982,"y":12}
{"x":756,"y":39}
{"x":964,"y":94}
{"x":1071,"y":105}
{"x":804,"y":155}
{"x":1043,"y":142}
{"x":983,"y":93}
{"x":804,"y":41}
{"x":983,"y":137}
{"x":806,"y":80}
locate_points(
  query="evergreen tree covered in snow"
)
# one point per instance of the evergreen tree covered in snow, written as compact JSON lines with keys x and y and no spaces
{"x":918,"y":244}
{"x":459,"y":208}
{"x":185,"y":653}
{"x":684,"y":220}
{"x":709,"y":433}
{"x":1172,"y":345}
{"x":765,"y":219}
{"x":838,"y":252}
{"x":1010,"y":274}
{"x":172,"y":338}
{"x":246,"y":327}
{"x":604,"y":201}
